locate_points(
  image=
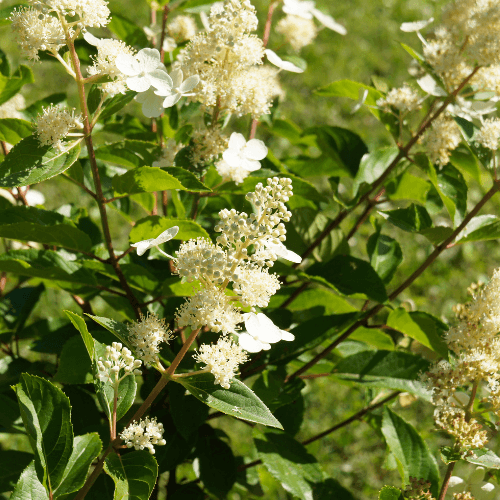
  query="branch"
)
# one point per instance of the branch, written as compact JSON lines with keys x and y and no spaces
{"x":372,"y":312}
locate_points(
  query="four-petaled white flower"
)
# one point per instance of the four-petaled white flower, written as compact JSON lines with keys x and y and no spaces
{"x":307,"y":10}
{"x":152,"y":104}
{"x":275,"y":59}
{"x":178,"y":88}
{"x":167,"y":235}
{"x":243,"y":154}
{"x":144,"y":70}
{"x":261,"y":333}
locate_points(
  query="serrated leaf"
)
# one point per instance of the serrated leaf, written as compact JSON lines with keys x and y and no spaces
{"x":485,"y":458}
{"x":412,"y":454}
{"x":372,"y":166}
{"x":134,"y":474}
{"x":105,"y":390}
{"x":385,"y":255}
{"x":79,"y":324}
{"x":120,"y":330}
{"x":288,"y":461}
{"x":351,"y":89}
{"x":238,"y":401}
{"x":29,"y":487}
{"x":9,"y":87}
{"x":12,"y":464}
{"x":85,"y":449}
{"x":480,"y":228}
{"x":151,"y":179}
{"x":45,"y":264}
{"x":12,"y":130}
{"x":45,"y":411}
{"x":74,"y":366}
{"x":387,"y":369}
{"x":50,"y":228}
{"x":412,"y":219}
{"x":421,"y":328}
{"x":28,"y":162}
{"x":350,"y":275}
{"x":390,"y":493}
{"x":153,"y":225}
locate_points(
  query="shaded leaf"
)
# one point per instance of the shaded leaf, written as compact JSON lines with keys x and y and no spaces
{"x":12,"y":464}
{"x":412,"y":219}
{"x":74,"y":366}
{"x":28,"y":162}
{"x":10,"y":86}
{"x":385,"y":255}
{"x":390,"y":493}
{"x":80,"y":325}
{"x":45,"y":411}
{"x":238,"y":401}
{"x":12,"y":130}
{"x":134,"y":474}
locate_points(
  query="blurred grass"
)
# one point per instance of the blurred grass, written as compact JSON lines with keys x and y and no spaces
{"x":355,"y":455}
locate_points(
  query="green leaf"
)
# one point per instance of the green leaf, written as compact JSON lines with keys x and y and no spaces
{"x":10,"y":415}
{"x":37,"y":107}
{"x":134,"y":474}
{"x":216,"y":462}
{"x":422,"y":328}
{"x":390,"y":493}
{"x":388,"y":369}
{"x":128,"y":153}
{"x":238,"y":401}
{"x":408,"y":187}
{"x":126,"y":30}
{"x":351,"y":89}
{"x":105,"y":393}
{"x":450,"y":185}
{"x":28,"y":162}
{"x":17,"y":305}
{"x":80,"y":325}
{"x":12,"y":464}
{"x":154,"y":225}
{"x":120,"y":330}
{"x":85,"y":449}
{"x":116,"y":103}
{"x":350,"y":275}
{"x":412,"y":454}
{"x":385,"y":255}
{"x":74,"y":366}
{"x":12,"y":130}
{"x":288,"y":461}
{"x":412,"y":219}
{"x":50,"y":228}
{"x":480,"y":228}
{"x":331,"y":489}
{"x":485,"y":458}
{"x":29,"y":487}
{"x":344,"y":147}
{"x":45,"y":411}
{"x":45,"y":264}
{"x":9,"y":87}
{"x":372,"y":166}
{"x":467,"y":162}
{"x":151,"y":179}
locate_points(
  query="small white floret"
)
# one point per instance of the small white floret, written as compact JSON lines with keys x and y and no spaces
{"x":275,"y":59}
{"x":261,"y":333}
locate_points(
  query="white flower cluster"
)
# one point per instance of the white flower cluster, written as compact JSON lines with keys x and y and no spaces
{"x":476,"y":346}
{"x":182,"y":28}
{"x":146,"y":335}
{"x":240,"y":158}
{"x":145,"y":434}
{"x":118,"y":359}
{"x":443,"y":137}
{"x":54,"y":124}
{"x":298,"y":27}
{"x":36,"y":31}
{"x":404,"y":98}
{"x":228,"y":59}
{"x":221,"y":359}
{"x":489,"y":134}
{"x":91,"y":13}
{"x":108,"y":51}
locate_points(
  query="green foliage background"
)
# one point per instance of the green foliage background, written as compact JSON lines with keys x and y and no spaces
{"x":355,"y":456}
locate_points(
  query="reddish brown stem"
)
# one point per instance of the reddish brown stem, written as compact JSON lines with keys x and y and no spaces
{"x":372,"y":312}
{"x":403,"y":153}
{"x":446,"y":480}
{"x":166,"y":11}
